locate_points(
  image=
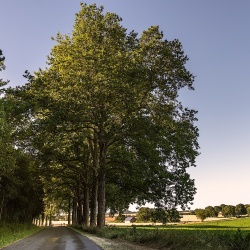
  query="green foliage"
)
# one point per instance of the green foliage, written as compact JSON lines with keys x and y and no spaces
{"x":158,"y":215}
{"x":223,"y":234}
{"x":211,"y":211}
{"x":2,"y":67}
{"x":217,"y":209}
{"x":201,"y":214}
{"x":22,"y":192}
{"x":106,"y":111}
{"x":9,"y":233}
{"x":161,"y":215}
{"x":7,"y":151}
{"x":120,"y":218}
{"x":237,"y":241}
{"x":173,"y":215}
{"x":240,"y":209}
{"x":144,"y":214}
{"x":228,"y":211}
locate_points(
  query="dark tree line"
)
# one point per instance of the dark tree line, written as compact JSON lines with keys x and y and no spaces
{"x":225,"y":210}
{"x":146,"y":214}
{"x":21,"y":189}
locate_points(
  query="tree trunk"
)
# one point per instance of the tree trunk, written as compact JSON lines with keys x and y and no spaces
{"x":1,"y":208}
{"x":74,"y":221}
{"x":86,"y":206}
{"x":101,"y":199}
{"x":40,"y":220}
{"x":46,"y":220}
{"x":69,"y":210}
{"x":50,"y":218}
{"x":93,"y":203}
{"x":79,"y":211}
{"x":43,"y":216}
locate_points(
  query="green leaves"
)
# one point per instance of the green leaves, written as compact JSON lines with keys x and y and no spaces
{"x":2,"y":67}
{"x":107,"y":107}
{"x":2,"y":58}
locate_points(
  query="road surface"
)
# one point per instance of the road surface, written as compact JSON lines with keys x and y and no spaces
{"x":54,"y":238}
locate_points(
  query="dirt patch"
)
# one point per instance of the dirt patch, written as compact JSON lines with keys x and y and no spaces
{"x":107,"y":244}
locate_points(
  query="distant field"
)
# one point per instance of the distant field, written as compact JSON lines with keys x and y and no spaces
{"x":231,"y":225}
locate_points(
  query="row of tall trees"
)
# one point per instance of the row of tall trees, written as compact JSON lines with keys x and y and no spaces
{"x":103,"y":120}
{"x":225,"y":210}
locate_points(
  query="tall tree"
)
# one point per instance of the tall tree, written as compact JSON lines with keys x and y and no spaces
{"x":7,"y":152}
{"x":116,"y":95}
{"x":228,"y":211}
{"x":240,"y":209}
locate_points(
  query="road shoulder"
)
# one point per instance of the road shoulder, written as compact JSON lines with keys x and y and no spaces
{"x":108,"y":244}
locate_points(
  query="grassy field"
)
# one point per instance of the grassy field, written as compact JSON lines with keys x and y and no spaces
{"x":224,"y":234}
{"x":10,"y":233}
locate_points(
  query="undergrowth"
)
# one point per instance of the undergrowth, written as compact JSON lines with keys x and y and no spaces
{"x":10,"y":233}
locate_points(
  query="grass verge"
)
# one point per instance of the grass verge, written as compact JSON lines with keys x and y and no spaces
{"x":10,"y":233}
{"x":219,"y":235}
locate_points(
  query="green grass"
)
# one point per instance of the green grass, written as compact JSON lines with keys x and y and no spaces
{"x":10,"y":233}
{"x":223,"y":234}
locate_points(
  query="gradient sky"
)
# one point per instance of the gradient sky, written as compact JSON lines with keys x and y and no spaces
{"x":215,"y":36}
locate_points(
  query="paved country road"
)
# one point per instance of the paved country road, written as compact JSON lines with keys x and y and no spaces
{"x":54,"y":238}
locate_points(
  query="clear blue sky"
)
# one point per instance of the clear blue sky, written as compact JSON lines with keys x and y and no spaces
{"x":216,"y":37}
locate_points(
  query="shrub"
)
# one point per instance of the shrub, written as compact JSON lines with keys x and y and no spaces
{"x":120,"y":218}
{"x":201,"y":214}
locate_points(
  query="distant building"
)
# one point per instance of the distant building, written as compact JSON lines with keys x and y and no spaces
{"x":130,"y":219}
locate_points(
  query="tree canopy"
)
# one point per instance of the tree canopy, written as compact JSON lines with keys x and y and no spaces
{"x":21,"y":190}
{"x":105,"y":114}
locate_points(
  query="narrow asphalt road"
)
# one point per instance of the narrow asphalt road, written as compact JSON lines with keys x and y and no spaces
{"x":55,"y":238}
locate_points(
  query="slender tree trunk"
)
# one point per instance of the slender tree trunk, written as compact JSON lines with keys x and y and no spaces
{"x":79,"y":211}
{"x":101,"y":199}
{"x":78,"y":204}
{"x":74,"y":221}
{"x":40,"y":221}
{"x":69,"y":211}
{"x":50,"y":219}
{"x":43,"y":219}
{"x":1,"y":207}
{"x":86,"y":206}
{"x":46,"y":220}
{"x":93,"y":203}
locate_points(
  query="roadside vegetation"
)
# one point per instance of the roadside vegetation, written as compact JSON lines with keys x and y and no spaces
{"x":10,"y":233}
{"x":226,"y":235}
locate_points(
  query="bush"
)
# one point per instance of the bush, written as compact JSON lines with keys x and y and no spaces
{"x":235,"y":242}
{"x":120,"y":218}
{"x":201,"y":214}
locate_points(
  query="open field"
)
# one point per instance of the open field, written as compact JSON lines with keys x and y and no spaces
{"x":231,"y":234}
